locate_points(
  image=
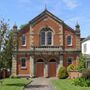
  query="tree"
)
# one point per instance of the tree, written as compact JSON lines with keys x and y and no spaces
{"x":8,"y":51}
{"x":5,"y":45}
{"x":4,"y":28}
{"x":81,"y":63}
{"x":22,"y":26}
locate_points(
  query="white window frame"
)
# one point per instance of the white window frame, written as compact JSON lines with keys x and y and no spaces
{"x":25,"y":40}
{"x":23,"y":67}
{"x":67,"y":40}
{"x":46,"y":38}
{"x":88,"y":63}
{"x":85,"y":48}
{"x":41,"y":40}
{"x":51,"y":38}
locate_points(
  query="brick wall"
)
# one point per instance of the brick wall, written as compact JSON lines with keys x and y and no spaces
{"x":74,"y":74}
{"x":32,"y":33}
{"x":23,"y":70}
{"x":53,"y":25}
{"x":73,"y":56}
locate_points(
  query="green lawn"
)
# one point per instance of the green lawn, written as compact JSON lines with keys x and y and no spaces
{"x":13,"y":84}
{"x":67,"y":85}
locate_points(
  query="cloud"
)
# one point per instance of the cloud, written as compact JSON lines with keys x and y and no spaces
{"x":71,"y":4}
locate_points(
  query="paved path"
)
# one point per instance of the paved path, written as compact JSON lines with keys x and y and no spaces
{"x":39,"y":84}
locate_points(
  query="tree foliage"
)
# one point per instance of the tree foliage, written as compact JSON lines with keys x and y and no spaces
{"x":22,"y":26}
{"x":8,"y":51}
{"x":4,"y":29}
{"x":5,"y":45}
{"x":86,"y":73}
{"x":81,"y":63}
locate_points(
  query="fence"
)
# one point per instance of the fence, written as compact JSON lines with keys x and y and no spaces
{"x":4,"y":73}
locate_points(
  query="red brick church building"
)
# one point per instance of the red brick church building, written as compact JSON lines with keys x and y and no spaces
{"x":43,"y":45}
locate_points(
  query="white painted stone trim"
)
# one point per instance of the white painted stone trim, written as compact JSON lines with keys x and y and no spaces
{"x":32,"y":66}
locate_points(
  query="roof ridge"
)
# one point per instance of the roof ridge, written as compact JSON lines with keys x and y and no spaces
{"x":47,"y":12}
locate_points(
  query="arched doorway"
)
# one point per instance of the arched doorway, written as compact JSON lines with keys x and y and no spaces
{"x":52,"y":68}
{"x":40,"y":68}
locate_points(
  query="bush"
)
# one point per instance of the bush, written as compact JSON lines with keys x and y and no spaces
{"x":71,"y":67}
{"x":81,"y":82}
{"x":62,"y":73}
{"x":13,"y":76}
{"x":86,"y":73}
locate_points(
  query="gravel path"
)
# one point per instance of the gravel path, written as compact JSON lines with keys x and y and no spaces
{"x":39,"y":84}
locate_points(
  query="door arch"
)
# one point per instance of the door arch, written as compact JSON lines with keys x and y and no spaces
{"x":52,"y":68}
{"x":40,"y":68}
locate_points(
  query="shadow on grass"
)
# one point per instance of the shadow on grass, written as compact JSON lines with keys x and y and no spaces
{"x":36,"y":86}
{"x":16,"y":84}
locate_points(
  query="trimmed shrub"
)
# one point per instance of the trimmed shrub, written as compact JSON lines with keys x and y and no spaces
{"x":71,"y":67}
{"x":86,"y":73}
{"x":62,"y":73}
{"x":81,"y":82}
{"x":13,"y":76}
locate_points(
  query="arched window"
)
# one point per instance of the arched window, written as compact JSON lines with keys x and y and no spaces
{"x":52,"y":60}
{"x":69,"y":40}
{"x":23,"y":40}
{"x":40,"y":60}
{"x":46,"y":37}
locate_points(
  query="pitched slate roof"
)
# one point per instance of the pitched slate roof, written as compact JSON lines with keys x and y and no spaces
{"x":46,"y":12}
{"x":52,"y":16}
{"x":86,"y":39}
{"x":87,"y":55}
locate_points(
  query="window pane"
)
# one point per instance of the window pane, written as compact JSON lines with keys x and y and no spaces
{"x":69,"y":40}
{"x":43,"y":38}
{"x":23,"y":40}
{"x":85,"y":47}
{"x":88,"y":64}
{"x":69,"y":61}
{"x":49,"y":38}
{"x":23,"y":62}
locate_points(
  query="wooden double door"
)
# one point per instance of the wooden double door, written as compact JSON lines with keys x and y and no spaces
{"x":40,"y":68}
{"x":52,"y":69}
{"x":40,"y":65}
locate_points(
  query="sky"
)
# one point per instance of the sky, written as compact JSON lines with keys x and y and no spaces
{"x":20,"y":12}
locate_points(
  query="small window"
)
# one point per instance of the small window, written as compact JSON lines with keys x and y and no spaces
{"x":23,"y":40}
{"x":85,"y":47}
{"x":88,"y":64}
{"x":69,"y":40}
{"x":23,"y":63}
{"x":69,"y":61}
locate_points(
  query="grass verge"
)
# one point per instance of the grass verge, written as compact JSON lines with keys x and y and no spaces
{"x":14,"y":83}
{"x":66,"y":85}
